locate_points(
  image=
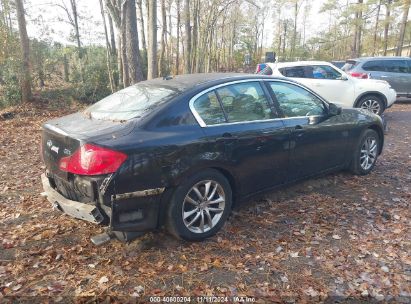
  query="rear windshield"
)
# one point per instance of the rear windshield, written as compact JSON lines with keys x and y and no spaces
{"x":349,"y":65}
{"x":132,"y":102}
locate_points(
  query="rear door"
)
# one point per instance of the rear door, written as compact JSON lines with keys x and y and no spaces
{"x":240,"y":121}
{"x":318,"y":141}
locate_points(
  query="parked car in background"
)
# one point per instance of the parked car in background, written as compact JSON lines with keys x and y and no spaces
{"x":395,"y":70}
{"x":335,"y":85}
{"x":338,"y":63}
{"x":183,"y":151}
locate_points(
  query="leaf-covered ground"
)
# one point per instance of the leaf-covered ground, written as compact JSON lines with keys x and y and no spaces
{"x":336,"y":237}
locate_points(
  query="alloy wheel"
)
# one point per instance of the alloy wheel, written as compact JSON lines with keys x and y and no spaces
{"x":368,"y":154}
{"x":203,"y":206}
{"x":371,"y":105}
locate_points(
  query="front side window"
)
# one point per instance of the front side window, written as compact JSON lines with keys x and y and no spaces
{"x":244,"y":102}
{"x":209,"y":109}
{"x":295,"y":101}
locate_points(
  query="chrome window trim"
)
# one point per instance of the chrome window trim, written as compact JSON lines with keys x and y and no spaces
{"x":202,"y":124}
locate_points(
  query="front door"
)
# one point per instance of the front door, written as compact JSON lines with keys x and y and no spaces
{"x":318,"y":141}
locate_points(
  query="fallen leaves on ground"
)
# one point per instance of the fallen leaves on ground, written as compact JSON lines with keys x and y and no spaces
{"x":339,"y":236}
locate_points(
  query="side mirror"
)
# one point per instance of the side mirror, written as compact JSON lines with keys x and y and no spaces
{"x":334,"y":110}
{"x":343,"y":77}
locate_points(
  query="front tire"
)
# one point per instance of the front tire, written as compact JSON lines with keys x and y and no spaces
{"x":372,"y":103}
{"x":366,"y":153}
{"x":199,"y":206}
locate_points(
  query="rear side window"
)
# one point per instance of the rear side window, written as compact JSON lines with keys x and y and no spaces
{"x":297,"y":72}
{"x":396,"y":66}
{"x":209,"y":109}
{"x":375,"y":65}
{"x":244,"y":102}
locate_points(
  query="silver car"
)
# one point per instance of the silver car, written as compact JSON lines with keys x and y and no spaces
{"x":395,"y":70}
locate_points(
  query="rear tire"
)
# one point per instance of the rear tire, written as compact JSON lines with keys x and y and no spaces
{"x":366,"y":153}
{"x":372,"y":103}
{"x":199,"y":206}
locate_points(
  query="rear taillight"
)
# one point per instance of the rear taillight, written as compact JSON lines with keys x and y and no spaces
{"x":92,"y":160}
{"x":360,"y":75}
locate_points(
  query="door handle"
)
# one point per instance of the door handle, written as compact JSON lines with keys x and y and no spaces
{"x":299,"y":130}
{"x":227,"y":136}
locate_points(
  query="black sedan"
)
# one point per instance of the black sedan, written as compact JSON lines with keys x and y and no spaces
{"x":182,"y":151}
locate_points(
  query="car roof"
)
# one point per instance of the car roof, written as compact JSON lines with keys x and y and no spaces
{"x":188,"y":81}
{"x":362,"y":59}
{"x":299,"y":63}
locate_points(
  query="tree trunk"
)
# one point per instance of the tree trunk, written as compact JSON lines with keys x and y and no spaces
{"x":66,"y":69}
{"x":358,"y":29}
{"x":170,"y":38}
{"x":178,"y":37}
{"x":294,"y":30}
{"x":377,"y":20}
{"x":152,"y":40}
{"x":124,"y":59}
{"x":141,"y":24}
{"x":400,"y":42}
{"x":120,"y":60}
{"x":195,"y":37}
{"x":108,"y":49}
{"x":112,"y":36}
{"x":359,"y":36}
{"x":132,"y":48}
{"x":387,"y":25}
{"x":114,"y":7}
{"x":163,"y":66}
{"x":25,"y":50}
{"x":187,"y":40}
{"x":77,"y":33}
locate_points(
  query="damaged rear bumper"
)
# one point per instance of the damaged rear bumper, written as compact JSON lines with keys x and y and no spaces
{"x":75,"y":209}
{"x":134,"y":211}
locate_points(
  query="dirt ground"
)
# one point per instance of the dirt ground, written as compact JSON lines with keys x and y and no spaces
{"x":336,"y":238}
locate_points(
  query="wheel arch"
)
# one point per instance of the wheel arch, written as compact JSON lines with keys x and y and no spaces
{"x":371,"y":93}
{"x":167,"y":194}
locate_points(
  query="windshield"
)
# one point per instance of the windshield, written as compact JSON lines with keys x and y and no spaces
{"x":132,"y":102}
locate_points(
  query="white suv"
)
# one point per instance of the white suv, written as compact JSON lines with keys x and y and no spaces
{"x":335,"y":85}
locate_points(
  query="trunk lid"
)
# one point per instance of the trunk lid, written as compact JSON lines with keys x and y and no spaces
{"x":61,"y":137}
